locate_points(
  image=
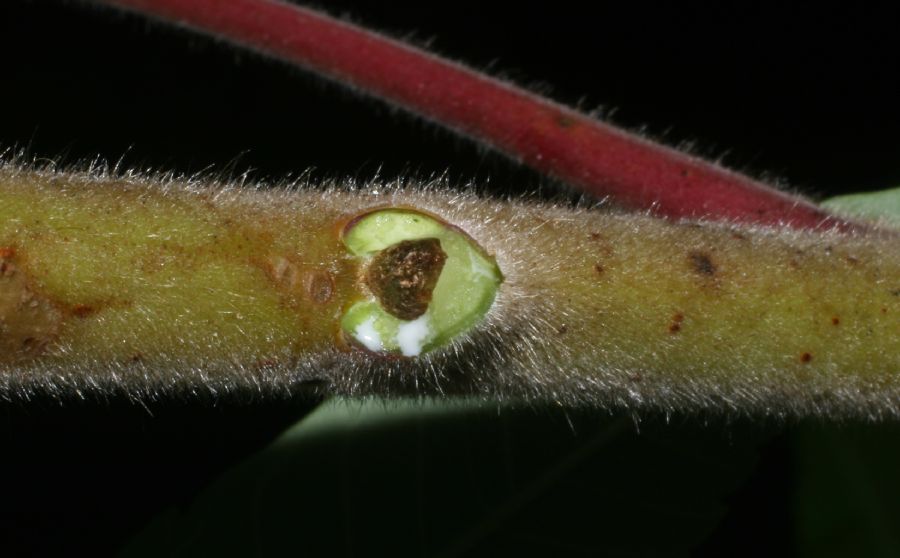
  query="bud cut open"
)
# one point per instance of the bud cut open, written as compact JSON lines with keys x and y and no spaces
{"x":429,"y":282}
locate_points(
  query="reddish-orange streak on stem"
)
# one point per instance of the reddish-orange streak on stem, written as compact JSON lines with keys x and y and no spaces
{"x":596,"y":157}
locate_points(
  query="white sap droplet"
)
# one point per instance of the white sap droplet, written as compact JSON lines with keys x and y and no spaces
{"x":366,"y":334}
{"x":410,"y":335}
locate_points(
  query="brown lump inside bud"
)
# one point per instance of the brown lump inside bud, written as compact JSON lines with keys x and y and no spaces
{"x":403,"y":276}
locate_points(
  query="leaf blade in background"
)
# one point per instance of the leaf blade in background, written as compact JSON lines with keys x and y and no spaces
{"x":881,"y":206}
{"x":848,"y":489}
{"x":461,"y":479}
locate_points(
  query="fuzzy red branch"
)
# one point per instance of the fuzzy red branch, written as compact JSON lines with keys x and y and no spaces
{"x":596,"y":157}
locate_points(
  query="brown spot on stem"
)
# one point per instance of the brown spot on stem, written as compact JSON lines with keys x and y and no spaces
{"x":266,"y":363}
{"x":403,"y":276}
{"x":318,"y":286}
{"x":805,"y":358}
{"x":312,"y":285}
{"x":702,"y":263}
{"x":29,"y":321}
{"x":82,"y":310}
{"x":675,"y":325}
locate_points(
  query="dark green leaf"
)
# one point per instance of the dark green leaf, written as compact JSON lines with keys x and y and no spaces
{"x":847,"y":501}
{"x":462,"y":479}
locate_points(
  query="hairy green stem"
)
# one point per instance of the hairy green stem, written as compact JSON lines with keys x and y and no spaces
{"x":147,"y":287}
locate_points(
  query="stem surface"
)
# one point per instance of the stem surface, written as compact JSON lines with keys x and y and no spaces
{"x":129,"y":284}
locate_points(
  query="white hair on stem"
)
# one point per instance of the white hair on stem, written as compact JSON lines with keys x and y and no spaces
{"x":163,"y":286}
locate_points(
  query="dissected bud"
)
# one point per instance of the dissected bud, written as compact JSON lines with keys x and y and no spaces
{"x":430,"y":282}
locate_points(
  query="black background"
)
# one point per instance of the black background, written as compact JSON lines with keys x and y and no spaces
{"x":805,"y":96}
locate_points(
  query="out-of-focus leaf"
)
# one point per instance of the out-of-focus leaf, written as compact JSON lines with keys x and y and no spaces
{"x":882,"y":206}
{"x":847,"y":501}
{"x":460,"y":479}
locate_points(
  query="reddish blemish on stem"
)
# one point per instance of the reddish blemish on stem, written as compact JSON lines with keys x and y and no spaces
{"x":702,"y":263}
{"x":310,"y":285}
{"x":675,"y":325}
{"x":82,"y":310}
{"x":318,"y":286}
{"x":29,"y":321}
{"x":600,"y":159}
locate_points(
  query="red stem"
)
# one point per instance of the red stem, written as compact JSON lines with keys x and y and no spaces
{"x":598,"y":158}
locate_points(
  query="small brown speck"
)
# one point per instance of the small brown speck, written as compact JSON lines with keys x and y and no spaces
{"x":563,"y":329}
{"x":82,"y":310}
{"x":702,"y":263}
{"x":805,"y":358}
{"x":596,"y":236}
{"x":835,"y":320}
{"x":677,"y":319}
{"x":30,"y":321}
{"x":598,"y":269}
{"x":318,"y":286}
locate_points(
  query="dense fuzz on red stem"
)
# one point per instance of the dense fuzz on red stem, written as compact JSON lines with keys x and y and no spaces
{"x":596,"y":157}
